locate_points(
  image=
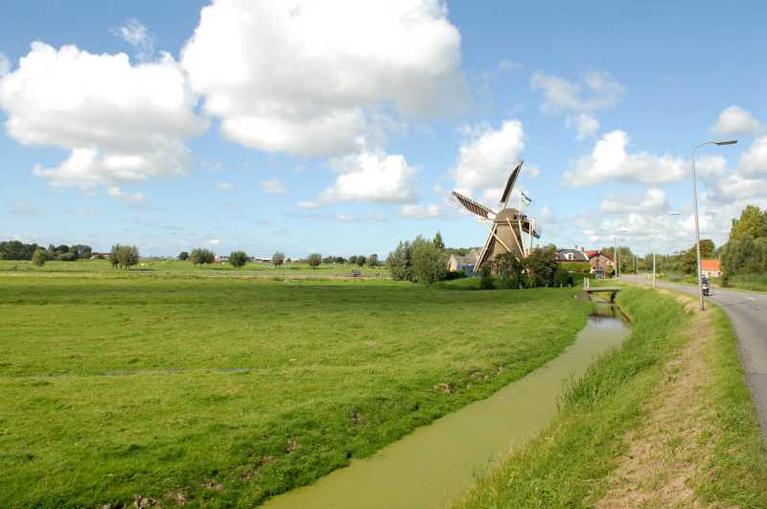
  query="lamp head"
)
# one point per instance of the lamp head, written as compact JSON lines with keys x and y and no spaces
{"x":727,"y":142}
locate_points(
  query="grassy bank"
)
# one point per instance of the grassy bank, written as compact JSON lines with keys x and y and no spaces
{"x":628,"y":430}
{"x":754,"y":282}
{"x":223,"y":391}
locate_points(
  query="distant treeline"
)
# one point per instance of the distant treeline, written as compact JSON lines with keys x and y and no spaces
{"x":15,"y":250}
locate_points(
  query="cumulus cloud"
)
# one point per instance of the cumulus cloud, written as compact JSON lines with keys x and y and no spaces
{"x":736,"y":120}
{"x":487,"y":156}
{"x":308,"y":78}
{"x":578,"y":100}
{"x":5,"y":65}
{"x":610,"y":160}
{"x":120,"y":122}
{"x":754,"y":160}
{"x":416,"y":211}
{"x":374,"y":177}
{"x":654,"y":200}
{"x":137,"y":35}
{"x":585,"y":125}
{"x":116,"y":192}
{"x":272,"y":186}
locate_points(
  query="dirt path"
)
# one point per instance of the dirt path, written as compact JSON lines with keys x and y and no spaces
{"x":669,"y":451}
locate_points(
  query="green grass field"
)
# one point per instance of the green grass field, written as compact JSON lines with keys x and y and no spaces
{"x":224,"y":391}
{"x":164,"y":267}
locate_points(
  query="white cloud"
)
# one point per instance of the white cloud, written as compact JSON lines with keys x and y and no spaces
{"x":579,"y":100}
{"x":223,"y":185}
{"x":737,"y":187}
{"x":586,"y":125}
{"x":601,"y":89}
{"x":610,"y":160}
{"x":215,"y":242}
{"x":119,"y":122}
{"x":754,"y":160}
{"x":307,"y":77}
{"x":506,"y":64}
{"x":137,"y":35}
{"x":487,"y":156}
{"x":736,"y":120}
{"x":116,"y":192}
{"x":308,"y":205}
{"x":654,"y":200}
{"x":372,"y":176}
{"x":272,"y":186}
{"x":5,"y":65}
{"x":415,"y":211}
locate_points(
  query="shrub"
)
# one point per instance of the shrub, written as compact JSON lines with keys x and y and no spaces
{"x":123,"y":256}
{"x":429,"y":264}
{"x":278,"y":258}
{"x":238,"y":258}
{"x":39,"y":257}
{"x":201,"y":256}
{"x":314,"y":260}
{"x":486,"y":277}
{"x":183,"y":256}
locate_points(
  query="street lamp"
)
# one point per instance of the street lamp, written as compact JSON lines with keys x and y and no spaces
{"x":695,"y":204}
{"x":616,"y":254}
{"x":655,"y":248}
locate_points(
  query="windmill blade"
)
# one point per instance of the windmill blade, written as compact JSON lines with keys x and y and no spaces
{"x":474,"y":207}
{"x":510,"y":184}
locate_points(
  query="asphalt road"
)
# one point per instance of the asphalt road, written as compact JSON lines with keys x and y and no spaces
{"x":748,"y":313}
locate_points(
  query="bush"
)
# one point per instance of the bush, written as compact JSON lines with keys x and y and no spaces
{"x":314,"y":260}
{"x":278,"y":258}
{"x":429,"y":263}
{"x":486,"y":277}
{"x":238,"y":258}
{"x":183,"y":256}
{"x":509,"y":270}
{"x":201,"y":256}
{"x":563,"y":278}
{"x":39,"y":257}
{"x":399,"y":262}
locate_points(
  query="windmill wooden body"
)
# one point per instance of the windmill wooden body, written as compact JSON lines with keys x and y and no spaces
{"x":507,"y":226}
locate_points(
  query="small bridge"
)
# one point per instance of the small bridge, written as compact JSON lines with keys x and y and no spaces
{"x":613,"y":291}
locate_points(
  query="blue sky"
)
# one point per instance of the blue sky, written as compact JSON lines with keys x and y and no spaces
{"x":377,"y":117}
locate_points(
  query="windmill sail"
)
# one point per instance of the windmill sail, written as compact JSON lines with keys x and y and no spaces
{"x":472,"y":206}
{"x":510,"y":184}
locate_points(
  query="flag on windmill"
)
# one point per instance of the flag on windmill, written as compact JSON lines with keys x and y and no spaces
{"x":525,"y":199}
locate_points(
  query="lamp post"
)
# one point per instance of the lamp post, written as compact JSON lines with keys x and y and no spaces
{"x":695,"y":206}
{"x":655,"y":248}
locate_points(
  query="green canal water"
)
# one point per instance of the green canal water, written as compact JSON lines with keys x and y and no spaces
{"x":436,"y":464}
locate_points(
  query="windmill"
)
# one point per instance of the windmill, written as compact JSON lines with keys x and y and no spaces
{"x":507,"y":225}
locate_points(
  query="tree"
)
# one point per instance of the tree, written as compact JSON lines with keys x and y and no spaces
{"x":39,"y":257}
{"x":542,"y":266}
{"x":360,"y":260}
{"x":438,"y":243}
{"x":202,"y":256}
{"x":509,"y":270}
{"x":81,"y":251}
{"x":429,"y":264}
{"x":123,"y":256}
{"x":278,"y":258}
{"x":690,"y":257}
{"x":238,"y":258}
{"x":399,"y":262}
{"x":183,"y":256}
{"x":314,"y":260}
{"x":373,"y":260}
{"x":752,"y":223}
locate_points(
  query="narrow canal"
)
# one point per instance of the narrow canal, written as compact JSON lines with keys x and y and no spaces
{"x":436,"y":464}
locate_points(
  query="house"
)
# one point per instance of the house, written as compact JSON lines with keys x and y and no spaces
{"x":465,"y":264}
{"x":571,"y":255}
{"x":600,"y":262}
{"x":222,"y":259}
{"x":710,"y":268}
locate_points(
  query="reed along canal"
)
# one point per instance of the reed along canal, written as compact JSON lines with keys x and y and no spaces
{"x":437,"y":463}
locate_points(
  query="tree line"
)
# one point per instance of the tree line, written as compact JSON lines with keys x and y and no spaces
{"x":16,"y":250}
